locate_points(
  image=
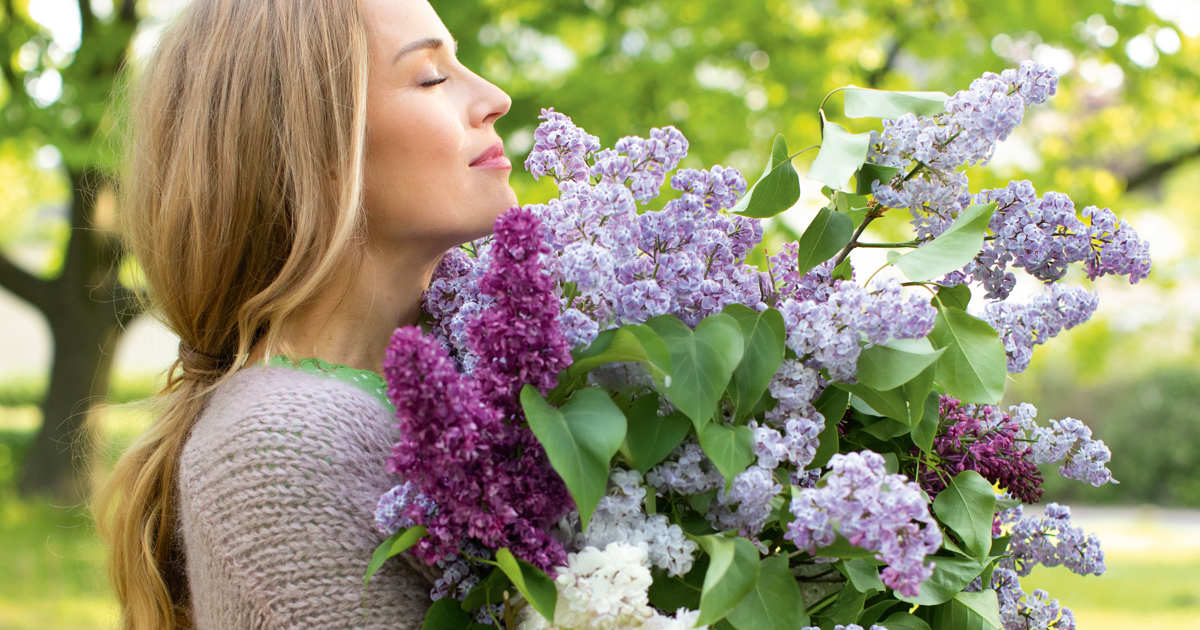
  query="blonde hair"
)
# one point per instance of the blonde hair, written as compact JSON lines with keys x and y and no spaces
{"x":242,"y":196}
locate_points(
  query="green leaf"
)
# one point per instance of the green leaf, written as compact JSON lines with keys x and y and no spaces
{"x":890,"y":403}
{"x":841,"y":548}
{"x":580,"y":440}
{"x":764,"y":336}
{"x":651,"y":437}
{"x":775,"y":602}
{"x":957,"y":296}
{"x":702,"y":362}
{"x":395,"y":545}
{"x":535,"y":586}
{"x":844,"y":270}
{"x":895,"y":363}
{"x":926,"y":430}
{"x":904,"y":621}
{"x":973,"y":368}
{"x":635,"y":342}
{"x":870,"y":173}
{"x":446,"y":614}
{"x":841,"y":154}
{"x":950,"y":576}
{"x":824,"y":237}
{"x":848,"y":605}
{"x":966,"y":507}
{"x":732,"y":573}
{"x":952,"y":250}
{"x":868,"y":103}
{"x":776,"y":190}
{"x":863,"y":573}
{"x":968,"y":611}
{"x":731,"y":449}
{"x":489,"y":591}
{"x":832,"y":403}
{"x":916,"y":394}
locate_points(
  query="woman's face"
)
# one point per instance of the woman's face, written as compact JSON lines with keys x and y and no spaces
{"x":435,"y":171}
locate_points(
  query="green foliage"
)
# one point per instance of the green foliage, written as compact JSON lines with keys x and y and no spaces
{"x":776,"y":190}
{"x":973,"y":368}
{"x":580,"y":439}
{"x":702,"y":362}
{"x":651,"y":437}
{"x":395,"y":545}
{"x":762,"y":355}
{"x":535,"y":586}
{"x":825,"y":236}
{"x":951,"y":250}
{"x":774,"y":603}
{"x":732,"y":573}
{"x":966,"y":507}
{"x":841,"y":154}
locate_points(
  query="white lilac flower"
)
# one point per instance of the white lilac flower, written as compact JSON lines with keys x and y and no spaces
{"x":620,"y":518}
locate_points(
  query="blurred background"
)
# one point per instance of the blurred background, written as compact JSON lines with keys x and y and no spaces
{"x":77,"y":356}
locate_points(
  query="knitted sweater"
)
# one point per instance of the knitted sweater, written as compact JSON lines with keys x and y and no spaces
{"x":278,"y":483}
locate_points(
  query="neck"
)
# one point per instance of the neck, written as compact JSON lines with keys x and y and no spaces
{"x":352,"y":322}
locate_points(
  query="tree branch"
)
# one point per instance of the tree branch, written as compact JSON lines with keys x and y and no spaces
{"x":87,"y":19}
{"x":1154,"y":172}
{"x":25,"y":285}
{"x":128,"y":13}
{"x":877,"y":75}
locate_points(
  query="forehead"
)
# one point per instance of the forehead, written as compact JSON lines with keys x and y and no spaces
{"x":392,"y":24}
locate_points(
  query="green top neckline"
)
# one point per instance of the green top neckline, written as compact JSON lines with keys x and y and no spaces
{"x":366,"y":380}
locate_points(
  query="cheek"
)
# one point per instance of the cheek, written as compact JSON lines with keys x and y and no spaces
{"x":412,"y":161}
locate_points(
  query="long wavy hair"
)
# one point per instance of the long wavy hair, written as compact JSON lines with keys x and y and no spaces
{"x":241,"y":196}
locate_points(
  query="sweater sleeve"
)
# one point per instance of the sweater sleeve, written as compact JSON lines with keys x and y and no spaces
{"x":278,"y":484}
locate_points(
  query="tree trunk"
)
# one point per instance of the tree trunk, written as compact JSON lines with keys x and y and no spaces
{"x":58,"y":461}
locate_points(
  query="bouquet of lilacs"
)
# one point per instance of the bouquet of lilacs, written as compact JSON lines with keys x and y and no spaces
{"x":611,"y":420}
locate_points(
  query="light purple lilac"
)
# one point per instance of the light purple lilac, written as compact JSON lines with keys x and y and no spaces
{"x":1050,"y":540}
{"x":1023,"y":326}
{"x":1070,"y":441}
{"x":874,"y":510}
{"x":747,"y":505}
{"x":1033,"y":611}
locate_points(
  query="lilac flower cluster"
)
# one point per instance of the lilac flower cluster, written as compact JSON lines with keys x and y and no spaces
{"x":1070,"y":441}
{"x":559,"y":148}
{"x":930,"y":149}
{"x":462,"y":443}
{"x":619,"y":518}
{"x":747,"y":504}
{"x":392,"y":510}
{"x":1034,"y":611}
{"x":1050,"y":540}
{"x":686,"y":471}
{"x":1045,"y":236}
{"x":1023,"y":326}
{"x":827,"y":334}
{"x":874,"y":510}
{"x":986,"y":440}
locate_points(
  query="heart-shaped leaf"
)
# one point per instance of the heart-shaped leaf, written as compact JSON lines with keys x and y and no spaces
{"x":895,"y":363}
{"x":832,"y":403}
{"x":635,"y":342}
{"x":951,"y":250}
{"x":950,"y":576}
{"x":871,"y":173}
{"x":776,"y":190}
{"x":731,"y":449}
{"x":824,"y":237}
{"x":869,"y":103}
{"x":774,"y":603}
{"x":732,"y":573}
{"x":840,"y":156}
{"x":966,"y":506}
{"x":652,"y":437}
{"x":973,"y":368}
{"x":537,"y":588}
{"x":395,"y":545}
{"x":580,"y":440}
{"x":969,"y":611}
{"x":764,"y":336}
{"x":702,"y":362}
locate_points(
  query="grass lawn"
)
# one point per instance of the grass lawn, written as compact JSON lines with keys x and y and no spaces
{"x":53,"y":573}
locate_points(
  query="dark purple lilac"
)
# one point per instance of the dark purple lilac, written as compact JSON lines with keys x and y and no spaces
{"x":986,"y":440}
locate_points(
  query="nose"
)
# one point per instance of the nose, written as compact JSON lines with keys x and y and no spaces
{"x":489,"y":104}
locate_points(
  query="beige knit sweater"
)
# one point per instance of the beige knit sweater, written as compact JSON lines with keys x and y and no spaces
{"x":278,"y":484}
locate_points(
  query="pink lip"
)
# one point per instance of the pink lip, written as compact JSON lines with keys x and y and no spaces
{"x":492,"y":158}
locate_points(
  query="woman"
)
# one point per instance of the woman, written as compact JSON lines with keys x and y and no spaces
{"x":296,"y":171}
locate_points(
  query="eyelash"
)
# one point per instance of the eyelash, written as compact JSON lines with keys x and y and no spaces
{"x":434,"y":82}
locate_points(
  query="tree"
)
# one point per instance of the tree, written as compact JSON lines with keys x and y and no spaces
{"x":84,"y":303}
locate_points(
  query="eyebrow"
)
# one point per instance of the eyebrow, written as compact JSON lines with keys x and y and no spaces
{"x":429,"y":43}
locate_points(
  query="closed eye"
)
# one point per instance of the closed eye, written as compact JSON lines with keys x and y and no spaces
{"x":433,"y":82}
